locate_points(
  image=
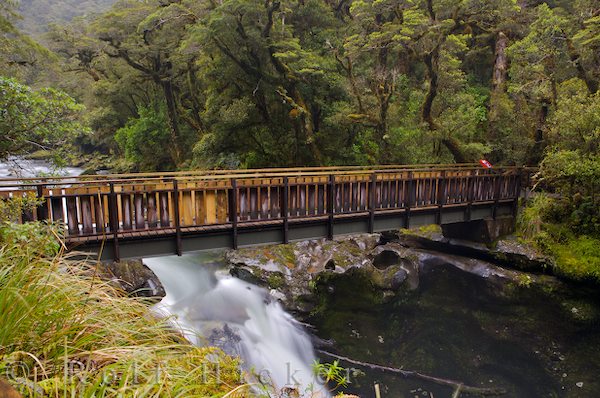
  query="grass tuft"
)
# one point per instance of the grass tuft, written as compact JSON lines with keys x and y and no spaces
{"x":65,"y":333}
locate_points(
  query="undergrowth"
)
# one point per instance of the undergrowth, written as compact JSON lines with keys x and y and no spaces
{"x":64,"y":332}
{"x":555,"y":228}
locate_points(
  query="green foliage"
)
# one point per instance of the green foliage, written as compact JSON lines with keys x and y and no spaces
{"x":532,"y":217}
{"x":34,"y":239}
{"x":578,"y":258}
{"x":570,"y":172}
{"x":71,"y":334}
{"x":12,"y":208}
{"x":33,"y":119}
{"x":331,"y":373}
{"x":282,"y":83}
{"x":568,"y":231}
{"x":575,"y":124}
{"x":145,"y":139}
{"x":541,"y":56}
{"x":39,"y":14}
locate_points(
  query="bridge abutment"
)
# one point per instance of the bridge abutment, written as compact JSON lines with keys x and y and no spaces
{"x":486,"y":230}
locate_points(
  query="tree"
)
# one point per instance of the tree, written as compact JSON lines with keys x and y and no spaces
{"x":17,"y":50}
{"x":143,"y":139}
{"x":146,"y":36}
{"x":36,"y":119}
{"x":540,"y":61}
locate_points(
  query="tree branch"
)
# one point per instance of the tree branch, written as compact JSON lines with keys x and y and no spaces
{"x":458,"y":386}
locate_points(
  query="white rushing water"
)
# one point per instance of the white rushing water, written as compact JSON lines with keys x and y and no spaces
{"x":25,"y":168}
{"x":213,"y":308}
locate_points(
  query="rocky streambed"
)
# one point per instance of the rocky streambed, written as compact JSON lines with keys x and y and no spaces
{"x":390,"y":262}
{"x":487,"y":316}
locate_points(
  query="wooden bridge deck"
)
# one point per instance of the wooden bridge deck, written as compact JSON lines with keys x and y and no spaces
{"x":119,"y":209}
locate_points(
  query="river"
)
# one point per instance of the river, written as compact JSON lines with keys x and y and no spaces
{"x":532,"y":341}
{"x":19,"y":167}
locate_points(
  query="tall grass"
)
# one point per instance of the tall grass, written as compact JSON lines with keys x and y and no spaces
{"x":65,"y":333}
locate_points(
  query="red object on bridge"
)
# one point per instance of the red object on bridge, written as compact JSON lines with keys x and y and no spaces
{"x":486,"y":164}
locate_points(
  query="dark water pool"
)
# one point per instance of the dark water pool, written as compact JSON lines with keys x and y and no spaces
{"x":531,"y":341}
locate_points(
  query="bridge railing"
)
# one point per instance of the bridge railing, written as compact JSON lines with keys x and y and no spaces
{"x":94,"y":208}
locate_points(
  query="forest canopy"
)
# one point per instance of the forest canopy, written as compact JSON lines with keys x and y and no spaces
{"x":246,"y":83}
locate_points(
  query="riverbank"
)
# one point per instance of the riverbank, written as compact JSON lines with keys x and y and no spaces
{"x":64,"y":331}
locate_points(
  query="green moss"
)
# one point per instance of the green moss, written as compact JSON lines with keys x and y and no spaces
{"x":578,"y":258}
{"x":275,"y":280}
{"x":426,"y":231}
{"x":285,"y":253}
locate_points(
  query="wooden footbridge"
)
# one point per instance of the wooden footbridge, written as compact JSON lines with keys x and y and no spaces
{"x":138,"y":215}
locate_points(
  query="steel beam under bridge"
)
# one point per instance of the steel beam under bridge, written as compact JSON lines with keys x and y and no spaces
{"x":298,"y":231}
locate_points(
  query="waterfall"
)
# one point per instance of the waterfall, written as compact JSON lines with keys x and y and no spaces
{"x":213,"y":308}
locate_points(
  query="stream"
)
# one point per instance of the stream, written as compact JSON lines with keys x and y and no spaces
{"x":532,"y":341}
{"x":210,"y":307}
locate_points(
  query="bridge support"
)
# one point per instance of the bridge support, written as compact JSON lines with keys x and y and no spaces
{"x":483,"y":231}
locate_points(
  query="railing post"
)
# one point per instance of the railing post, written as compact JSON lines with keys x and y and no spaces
{"x":408,"y":201}
{"x":497,"y":185}
{"x":470,"y":195}
{"x":372,"y":193}
{"x":113,"y":219}
{"x":517,"y":193}
{"x":233,"y":213}
{"x":330,"y":199}
{"x":42,"y":209}
{"x":441,"y":199}
{"x":284,"y":210}
{"x":178,"y":244}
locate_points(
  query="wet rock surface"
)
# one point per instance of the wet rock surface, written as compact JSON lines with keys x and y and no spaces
{"x":508,"y":251}
{"x":389,"y":262}
{"x":133,"y":277}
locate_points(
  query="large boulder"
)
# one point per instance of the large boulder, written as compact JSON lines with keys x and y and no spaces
{"x":296,"y":273}
{"x":507,"y":252}
{"x":292,"y":271}
{"x":483,"y":231}
{"x":133,"y":277}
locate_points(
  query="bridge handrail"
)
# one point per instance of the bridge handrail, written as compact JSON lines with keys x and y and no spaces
{"x":241,"y":173}
{"x":117,"y":176}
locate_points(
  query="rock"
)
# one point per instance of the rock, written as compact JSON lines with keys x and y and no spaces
{"x":8,"y":391}
{"x":133,"y":277}
{"x":386,"y":258}
{"x":226,"y":339}
{"x":507,"y":252}
{"x":298,"y":273}
{"x":388,"y":236}
{"x":398,"y":279}
{"x":294,"y":269}
{"x":246,"y":273}
{"x":510,"y":252}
